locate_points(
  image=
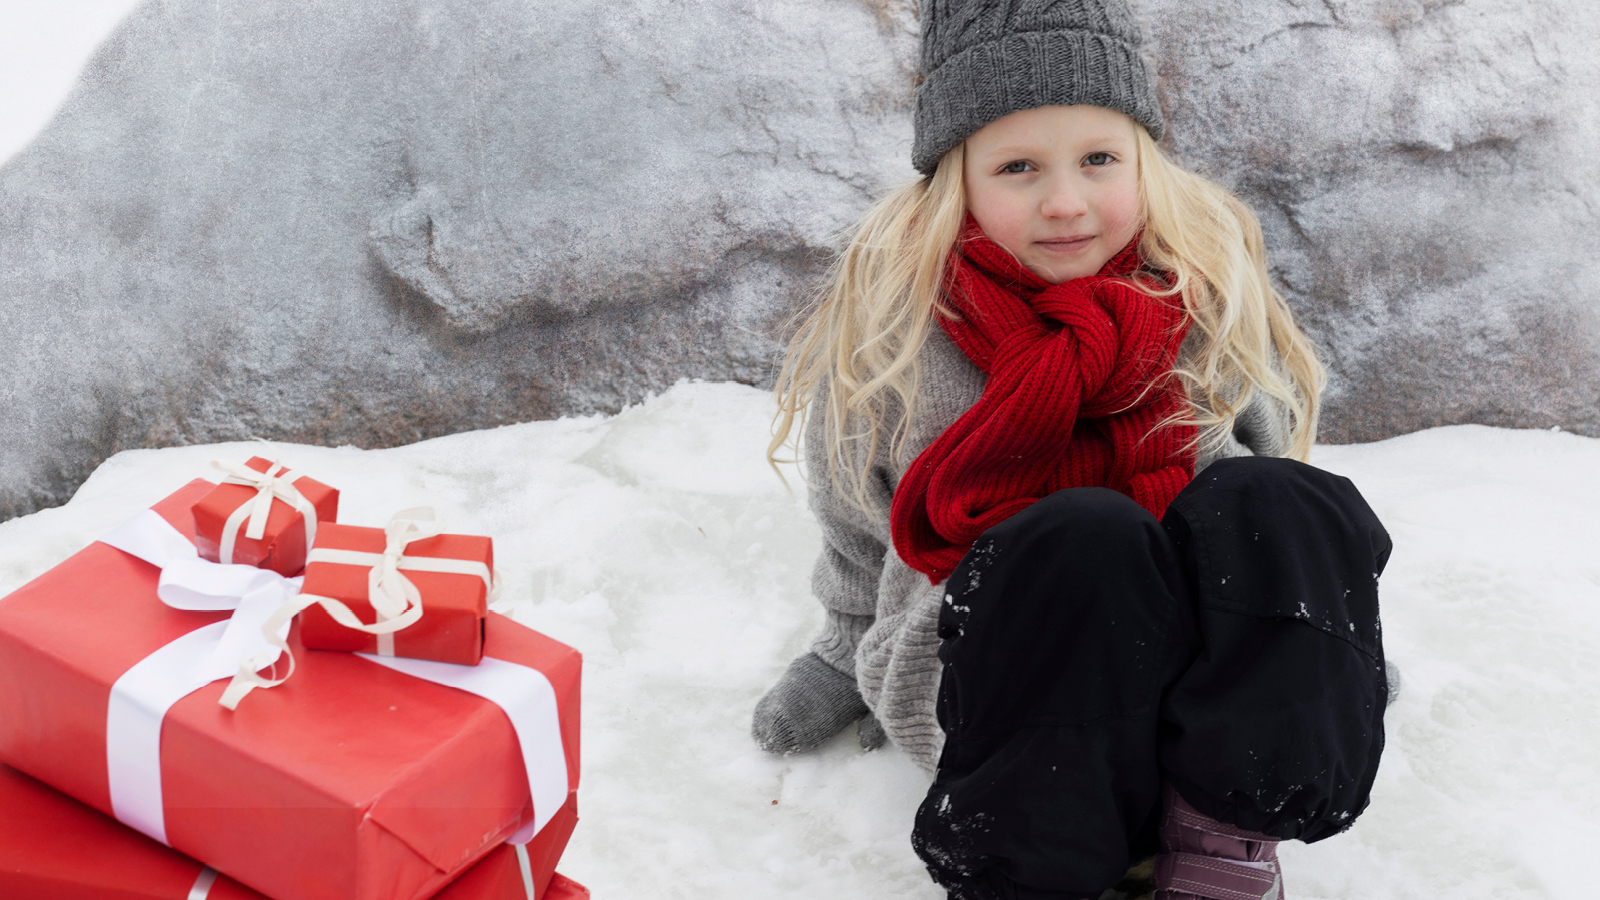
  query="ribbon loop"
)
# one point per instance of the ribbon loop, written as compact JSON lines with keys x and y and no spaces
{"x":391,"y":593}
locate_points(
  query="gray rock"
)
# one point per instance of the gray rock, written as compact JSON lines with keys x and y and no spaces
{"x":378,"y":222}
{"x":373,"y":223}
{"x":1428,"y":184}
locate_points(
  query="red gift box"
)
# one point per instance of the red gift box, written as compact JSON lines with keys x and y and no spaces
{"x":352,"y":781}
{"x":54,"y":848}
{"x":453,"y":605}
{"x":225,"y":516}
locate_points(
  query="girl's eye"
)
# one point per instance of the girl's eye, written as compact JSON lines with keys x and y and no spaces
{"x":1097,"y":159}
{"x":1016,"y":166}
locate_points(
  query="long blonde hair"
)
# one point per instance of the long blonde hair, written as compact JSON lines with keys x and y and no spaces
{"x":857,"y":346}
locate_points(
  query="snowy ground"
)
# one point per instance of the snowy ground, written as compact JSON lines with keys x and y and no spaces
{"x":660,"y":544}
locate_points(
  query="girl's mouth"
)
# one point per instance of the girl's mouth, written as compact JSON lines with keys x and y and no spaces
{"x":1066,"y":245}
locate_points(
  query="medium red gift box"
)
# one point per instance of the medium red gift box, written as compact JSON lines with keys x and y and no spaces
{"x":54,"y":848}
{"x":352,"y":781}
{"x":453,"y":604}
{"x":224,"y":517}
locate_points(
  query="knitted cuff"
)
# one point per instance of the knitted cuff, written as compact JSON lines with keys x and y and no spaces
{"x":841,"y":634}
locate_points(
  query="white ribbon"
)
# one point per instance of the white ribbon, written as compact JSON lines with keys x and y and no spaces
{"x":202,"y":884}
{"x":277,"y":481}
{"x":523,"y":863}
{"x":257,"y":634}
{"x":141,"y":697}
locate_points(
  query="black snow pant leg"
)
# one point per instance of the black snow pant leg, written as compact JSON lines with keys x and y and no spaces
{"x":1060,"y":628}
{"x":1091,"y":653}
{"x":1277,"y":725}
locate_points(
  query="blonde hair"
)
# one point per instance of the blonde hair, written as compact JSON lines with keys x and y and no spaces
{"x":857,"y":346}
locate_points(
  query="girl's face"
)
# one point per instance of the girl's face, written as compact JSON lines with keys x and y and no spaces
{"x":1058,"y":186}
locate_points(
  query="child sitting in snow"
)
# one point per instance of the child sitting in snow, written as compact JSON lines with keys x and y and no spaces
{"x":1052,"y":411}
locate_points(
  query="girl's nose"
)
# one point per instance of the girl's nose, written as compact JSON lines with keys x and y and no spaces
{"x":1062,"y":200}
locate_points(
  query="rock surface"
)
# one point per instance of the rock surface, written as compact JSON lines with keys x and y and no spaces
{"x":374,"y":223}
{"x":1427,"y":179}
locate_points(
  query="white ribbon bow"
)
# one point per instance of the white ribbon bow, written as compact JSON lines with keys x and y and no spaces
{"x":191,"y":583}
{"x":277,"y":481}
{"x":393,"y":596}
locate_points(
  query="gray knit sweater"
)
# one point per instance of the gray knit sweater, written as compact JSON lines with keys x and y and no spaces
{"x":882,"y":615}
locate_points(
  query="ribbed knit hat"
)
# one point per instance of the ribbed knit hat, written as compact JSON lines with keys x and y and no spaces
{"x":984,"y":59}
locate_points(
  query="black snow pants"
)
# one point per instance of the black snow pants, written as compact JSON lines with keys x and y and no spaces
{"x":1092,"y":653}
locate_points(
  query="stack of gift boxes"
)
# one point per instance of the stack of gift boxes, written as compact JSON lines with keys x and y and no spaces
{"x":235,"y":696}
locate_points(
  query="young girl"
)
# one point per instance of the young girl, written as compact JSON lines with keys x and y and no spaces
{"x":1052,"y":408}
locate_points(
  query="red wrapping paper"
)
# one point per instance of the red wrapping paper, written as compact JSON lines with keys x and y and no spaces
{"x":564,"y":888}
{"x":282,"y":548}
{"x":454,"y":606}
{"x":500,"y":873}
{"x":349,"y":782}
{"x":54,"y":848}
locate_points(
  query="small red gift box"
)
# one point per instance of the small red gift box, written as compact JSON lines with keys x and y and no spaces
{"x":263,"y":515}
{"x":358,"y":779}
{"x":451,"y":574}
{"x":54,"y":848}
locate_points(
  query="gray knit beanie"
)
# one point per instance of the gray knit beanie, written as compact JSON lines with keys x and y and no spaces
{"x":984,"y":59}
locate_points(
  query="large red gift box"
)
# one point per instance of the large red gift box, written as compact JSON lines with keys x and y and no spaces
{"x":454,"y":604}
{"x":282,"y":546}
{"x":54,"y":848}
{"x":351,"y":781}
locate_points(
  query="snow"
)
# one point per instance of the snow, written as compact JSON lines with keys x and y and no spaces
{"x":43,"y":46}
{"x":660,"y":543}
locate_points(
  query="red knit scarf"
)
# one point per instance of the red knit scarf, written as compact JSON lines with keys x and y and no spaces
{"x":1068,"y":402}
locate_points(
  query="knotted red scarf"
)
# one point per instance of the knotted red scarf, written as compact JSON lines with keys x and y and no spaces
{"x":1069,"y":401}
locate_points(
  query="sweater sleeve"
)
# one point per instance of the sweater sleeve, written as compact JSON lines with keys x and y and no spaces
{"x":897,"y":664}
{"x":881,"y":618}
{"x":850,"y":565}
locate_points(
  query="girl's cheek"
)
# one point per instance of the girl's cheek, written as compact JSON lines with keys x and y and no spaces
{"x":1003,"y":218}
{"x":1121,"y":212}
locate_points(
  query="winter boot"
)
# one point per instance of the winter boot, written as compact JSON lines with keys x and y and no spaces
{"x":1203,"y":859}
